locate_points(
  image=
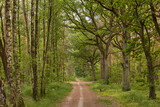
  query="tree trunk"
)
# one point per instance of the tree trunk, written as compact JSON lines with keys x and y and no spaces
{"x":44,"y":55}
{"x":35,"y":80}
{"x":27,"y":32}
{"x":19,"y":35}
{"x":101,"y":65}
{"x":105,"y":66}
{"x":15,"y":56}
{"x":155,"y":20}
{"x":2,"y":95}
{"x":45,"y":45}
{"x":4,"y":58}
{"x":93,"y":70}
{"x":105,"y":69}
{"x":126,"y":62}
{"x":3,"y":47}
{"x":150,"y":67}
{"x":56,"y":55}
{"x":36,"y":48}
{"x":63,"y":59}
{"x":125,"y":66}
{"x":9,"y":54}
{"x":152,"y":93}
{"x":26,"y":25}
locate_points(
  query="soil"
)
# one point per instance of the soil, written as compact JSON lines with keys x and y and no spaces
{"x":81,"y":96}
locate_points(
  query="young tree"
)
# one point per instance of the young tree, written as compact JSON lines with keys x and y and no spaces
{"x":45,"y":50}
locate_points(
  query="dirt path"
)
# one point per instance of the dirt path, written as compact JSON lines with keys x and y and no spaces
{"x":81,"y":96}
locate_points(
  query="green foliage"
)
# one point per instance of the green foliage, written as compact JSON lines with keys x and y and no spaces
{"x":88,"y":78}
{"x":116,"y":74}
{"x":71,"y":77}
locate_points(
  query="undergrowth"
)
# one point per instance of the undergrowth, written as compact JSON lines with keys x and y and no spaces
{"x":55,"y":92}
{"x":137,"y":97}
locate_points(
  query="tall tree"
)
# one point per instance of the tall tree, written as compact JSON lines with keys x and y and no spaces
{"x":27,"y":26}
{"x":35,"y":81}
{"x":15,"y":55}
{"x":45,"y":45}
{"x":3,"y":46}
{"x":125,"y":35}
{"x":9,"y":54}
{"x":44,"y":54}
{"x":36,"y":50}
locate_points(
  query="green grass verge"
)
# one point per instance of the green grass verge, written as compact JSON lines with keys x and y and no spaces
{"x":55,"y":92}
{"x":134,"y":98}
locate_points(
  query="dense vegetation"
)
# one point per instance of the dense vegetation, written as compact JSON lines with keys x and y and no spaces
{"x":44,"y":43}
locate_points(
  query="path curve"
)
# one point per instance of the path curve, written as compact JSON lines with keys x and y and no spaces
{"x":81,"y":96}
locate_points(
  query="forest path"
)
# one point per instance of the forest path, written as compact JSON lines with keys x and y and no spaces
{"x":81,"y":96}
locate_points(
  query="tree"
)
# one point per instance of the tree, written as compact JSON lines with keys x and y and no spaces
{"x":145,"y":37}
{"x":119,"y":12}
{"x":15,"y":55}
{"x":2,"y":94}
{"x":33,"y":53}
{"x":9,"y":54}
{"x":3,"y":46}
{"x":88,"y":53}
{"x":154,"y":16}
{"x":101,"y":33}
{"x":46,"y":46}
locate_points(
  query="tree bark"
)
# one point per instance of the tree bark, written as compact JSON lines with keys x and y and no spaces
{"x":9,"y":54}
{"x":2,"y":95}
{"x":155,"y":20}
{"x":35,"y":79}
{"x":27,"y":32}
{"x":26,"y":25}
{"x":150,"y":67}
{"x":3,"y":47}
{"x":101,"y":65}
{"x":63,"y":64}
{"x":4,"y":58}
{"x":19,"y":35}
{"x":125,"y":65}
{"x":105,"y":66}
{"x":151,"y":81}
{"x":44,"y":55}
{"x":15,"y":56}
{"x":93,"y":70}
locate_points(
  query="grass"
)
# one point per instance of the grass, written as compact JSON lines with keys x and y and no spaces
{"x":134,"y":98}
{"x":55,"y":92}
{"x":107,"y":101}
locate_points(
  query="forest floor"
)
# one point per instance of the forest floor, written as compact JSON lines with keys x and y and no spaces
{"x":82,"y":96}
{"x":137,"y":97}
